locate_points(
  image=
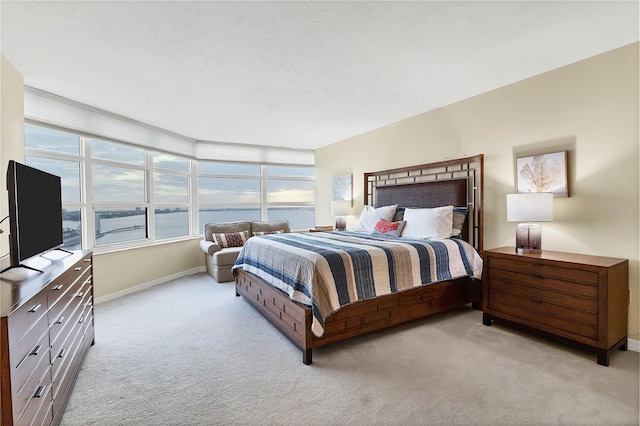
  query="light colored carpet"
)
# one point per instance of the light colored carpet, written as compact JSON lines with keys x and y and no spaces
{"x":189,"y":352}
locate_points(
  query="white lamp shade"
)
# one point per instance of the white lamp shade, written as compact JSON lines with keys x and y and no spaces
{"x":340,"y":207}
{"x":530,"y":207}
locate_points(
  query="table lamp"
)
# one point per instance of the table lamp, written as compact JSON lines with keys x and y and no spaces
{"x":339,"y":209}
{"x":529,"y":207}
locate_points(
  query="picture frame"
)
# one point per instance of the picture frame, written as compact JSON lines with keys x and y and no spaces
{"x":543,"y":173}
{"x":342,"y":187}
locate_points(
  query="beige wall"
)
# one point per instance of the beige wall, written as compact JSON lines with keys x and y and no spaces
{"x":11,"y":135}
{"x":11,"y":138}
{"x":120,"y":270}
{"x":589,"y":108}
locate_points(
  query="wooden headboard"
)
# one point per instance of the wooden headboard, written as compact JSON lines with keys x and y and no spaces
{"x":452,"y":182}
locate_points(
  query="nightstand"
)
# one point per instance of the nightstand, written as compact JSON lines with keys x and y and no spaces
{"x":576,"y":297}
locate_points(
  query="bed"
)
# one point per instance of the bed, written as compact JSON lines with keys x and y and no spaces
{"x":320,"y":288}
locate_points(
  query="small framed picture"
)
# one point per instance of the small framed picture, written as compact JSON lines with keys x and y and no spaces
{"x":543,"y":173}
{"x":342,"y":188}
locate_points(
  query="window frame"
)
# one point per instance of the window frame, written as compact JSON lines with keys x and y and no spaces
{"x":88,"y":207}
{"x":264,"y":177}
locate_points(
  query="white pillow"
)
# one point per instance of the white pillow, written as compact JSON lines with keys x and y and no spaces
{"x":435,"y":223}
{"x":370,"y":216}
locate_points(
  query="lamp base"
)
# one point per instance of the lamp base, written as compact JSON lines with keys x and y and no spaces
{"x":528,"y":237}
{"x":341,"y":223}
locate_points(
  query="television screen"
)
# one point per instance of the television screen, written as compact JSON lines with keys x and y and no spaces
{"x":35,"y":211}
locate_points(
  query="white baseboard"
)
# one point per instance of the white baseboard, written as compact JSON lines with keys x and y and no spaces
{"x":633,"y":345}
{"x":149,"y":284}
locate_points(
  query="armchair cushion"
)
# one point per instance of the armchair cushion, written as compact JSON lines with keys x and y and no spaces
{"x":226,"y":257}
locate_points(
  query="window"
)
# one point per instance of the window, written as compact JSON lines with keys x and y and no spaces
{"x":46,"y":139}
{"x":116,"y":225}
{"x":291,"y":195}
{"x":228,"y":192}
{"x":120,"y":195}
{"x":170,"y":196}
{"x":58,"y":153}
{"x":119,"y":192}
{"x":233,"y":192}
{"x":105,"y":150}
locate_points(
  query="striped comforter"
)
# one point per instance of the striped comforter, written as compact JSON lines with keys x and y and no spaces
{"x":327,"y":270}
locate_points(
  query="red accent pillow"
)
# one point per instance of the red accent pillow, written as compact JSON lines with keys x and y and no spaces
{"x":389,"y":228}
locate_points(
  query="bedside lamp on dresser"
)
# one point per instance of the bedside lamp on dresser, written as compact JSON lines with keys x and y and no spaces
{"x":529,"y":207}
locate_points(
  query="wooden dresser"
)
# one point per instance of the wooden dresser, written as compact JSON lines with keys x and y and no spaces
{"x":577,"y":297}
{"x":46,"y":328}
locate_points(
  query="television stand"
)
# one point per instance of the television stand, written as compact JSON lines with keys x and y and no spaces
{"x":21,"y":266}
{"x":42,"y":255}
{"x":56,"y":259}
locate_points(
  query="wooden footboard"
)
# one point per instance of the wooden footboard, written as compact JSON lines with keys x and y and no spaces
{"x":294,"y":319}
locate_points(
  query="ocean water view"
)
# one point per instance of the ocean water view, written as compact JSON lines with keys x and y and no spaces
{"x":131,"y":225}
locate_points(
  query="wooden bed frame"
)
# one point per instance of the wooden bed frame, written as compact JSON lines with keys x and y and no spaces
{"x":453,"y":182}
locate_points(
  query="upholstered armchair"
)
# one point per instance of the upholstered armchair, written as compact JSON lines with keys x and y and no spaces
{"x":223,"y":241}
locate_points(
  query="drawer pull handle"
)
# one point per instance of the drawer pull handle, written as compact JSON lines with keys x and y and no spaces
{"x":35,"y":308}
{"x":36,"y":350}
{"x":60,"y":320}
{"x":87,"y":260}
{"x":61,"y":354}
{"x":79,"y":268}
{"x":536,"y":301}
{"x":80,"y":294}
{"x":39,"y":392}
{"x":58,"y":287}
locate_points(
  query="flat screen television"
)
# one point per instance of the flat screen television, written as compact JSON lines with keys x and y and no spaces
{"x":35,"y":212}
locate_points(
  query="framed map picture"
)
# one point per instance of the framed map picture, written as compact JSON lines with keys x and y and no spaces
{"x":543,"y":173}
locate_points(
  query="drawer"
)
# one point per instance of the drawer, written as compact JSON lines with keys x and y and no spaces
{"x":86,"y":295}
{"x":65,"y":375}
{"x":44,"y":416}
{"x":87,"y":319}
{"x":542,"y":321}
{"x":542,"y":296}
{"x":38,"y":334}
{"x":64,"y":338}
{"x":36,"y":391}
{"x":544,"y":282}
{"x":36,"y":357}
{"x":70,"y":315}
{"x":65,"y":351}
{"x":536,"y":307}
{"x":63,"y":297}
{"x":543,"y":269}
{"x":26,"y":317}
{"x":40,"y":404}
{"x":89,"y":332}
{"x":58,"y":288}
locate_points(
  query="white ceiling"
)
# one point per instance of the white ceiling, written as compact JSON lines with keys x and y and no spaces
{"x":296,"y":74}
